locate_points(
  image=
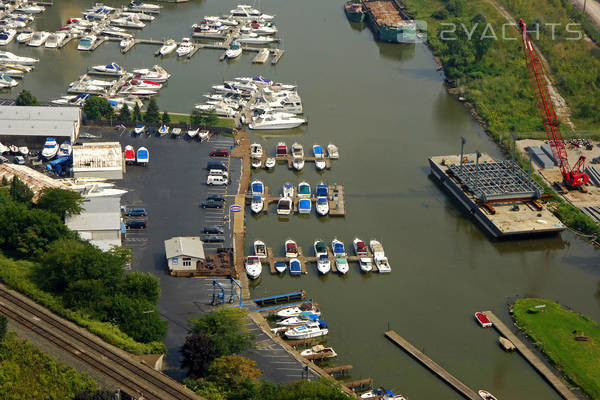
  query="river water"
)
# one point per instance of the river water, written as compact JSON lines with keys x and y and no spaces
{"x":386,"y":108}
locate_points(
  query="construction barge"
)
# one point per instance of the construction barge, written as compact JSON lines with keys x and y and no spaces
{"x":390,"y":21}
{"x":499,"y":195}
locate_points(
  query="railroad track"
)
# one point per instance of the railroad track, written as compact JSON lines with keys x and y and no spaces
{"x":135,"y":378}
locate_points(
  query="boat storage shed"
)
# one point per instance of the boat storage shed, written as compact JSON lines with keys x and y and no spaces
{"x":40,"y":121}
{"x":184,"y":253}
{"x":98,"y":160}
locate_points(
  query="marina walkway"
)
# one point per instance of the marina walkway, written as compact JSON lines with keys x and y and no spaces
{"x":534,"y":360}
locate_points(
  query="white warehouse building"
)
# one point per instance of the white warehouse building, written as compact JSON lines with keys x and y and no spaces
{"x":40,"y":121}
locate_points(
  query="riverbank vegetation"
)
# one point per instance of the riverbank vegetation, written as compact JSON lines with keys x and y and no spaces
{"x":44,"y":260}
{"x":554,"y":330}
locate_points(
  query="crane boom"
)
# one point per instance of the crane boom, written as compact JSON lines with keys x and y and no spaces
{"x":573,"y":177}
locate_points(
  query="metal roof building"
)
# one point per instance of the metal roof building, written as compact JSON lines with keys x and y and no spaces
{"x":36,"y":181}
{"x":41,"y":121}
{"x":99,"y":222}
{"x":98,"y":160}
{"x":183,"y":253}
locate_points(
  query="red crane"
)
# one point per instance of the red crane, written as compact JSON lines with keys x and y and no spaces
{"x":573,"y":177}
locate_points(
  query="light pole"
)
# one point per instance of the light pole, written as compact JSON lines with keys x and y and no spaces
{"x":148,"y":315}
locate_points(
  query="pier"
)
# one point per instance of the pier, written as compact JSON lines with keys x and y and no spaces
{"x":339,"y":370}
{"x":281,"y":298}
{"x":534,"y":360}
{"x":444,"y":375}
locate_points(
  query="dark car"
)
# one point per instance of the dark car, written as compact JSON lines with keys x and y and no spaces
{"x":216,"y":165}
{"x":213,"y":238}
{"x":216,"y":197}
{"x":212,"y":204}
{"x":136,"y":224}
{"x":215,"y":230}
{"x":136,"y":212}
{"x":219,"y":153}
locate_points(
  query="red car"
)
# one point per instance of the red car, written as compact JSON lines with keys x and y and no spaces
{"x":219,"y":153}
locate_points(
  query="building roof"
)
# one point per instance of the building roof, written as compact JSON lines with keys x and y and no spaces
{"x":97,"y":157}
{"x":97,"y":214}
{"x":191,"y":246}
{"x":36,"y":181}
{"x":39,"y":120}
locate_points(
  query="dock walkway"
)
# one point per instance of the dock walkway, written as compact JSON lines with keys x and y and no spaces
{"x":444,"y":375}
{"x":534,"y":360}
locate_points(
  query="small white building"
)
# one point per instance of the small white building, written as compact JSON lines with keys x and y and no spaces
{"x":40,"y":121}
{"x":184,"y":253}
{"x":98,"y":160}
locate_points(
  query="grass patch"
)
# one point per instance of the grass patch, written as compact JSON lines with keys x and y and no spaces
{"x":185,"y":119}
{"x":552,"y":332}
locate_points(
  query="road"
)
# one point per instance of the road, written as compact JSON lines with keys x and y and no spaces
{"x":592,"y":8}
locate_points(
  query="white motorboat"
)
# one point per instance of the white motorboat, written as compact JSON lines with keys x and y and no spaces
{"x":260,"y":249}
{"x":360,"y":247}
{"x":288,"y":190}
{"x":137,"y":5}
{"x":185,"y":47}
{"x":322,"y":206}
{"x":234,"y":50}
{"x":382,"y":264}
{"x":256,"y":150}
{"x":298,"y":310}
{"x":285,"y":104}
{"x":376,"y":248}
{"x":280,"y":267}
{"x":284,"y":206}
{"x":323,"y":264}
{"x":3,"y":149}
{"x":319,"y":157}
{"x":243,"y":10}
{"x":86,"y":43}
{"x":7,"y":82}
{"x":155,"y":74}
{"x":26,"y":8}
{"x":176,"y":132}
{"x":204,"y":135}
{"x":263,"y":29}
{"x":55,"y":40}
{"x":338,"y":248}
{"x":320,"y":351}
{"x":341,"y":263}
{"x":320,"y":248}
{"x":226,"y":88}
{"x":291,"y":249}
{"x":126,"y":42}
{"x":23,"y":150}
{"x":222,"y":21}
{"x":50,"y":148}
{"x":297,"y":150}
{"x":298,"y":164}
{"x":7,"y":36}
{"x":192,"y":133}
{"x":310,"y":330}
{"x":485,"y":395}
{"x":382,"y":394}
{"x":139,"y":129}
{"x":112,"y":69}
{"x":136,"y":91}
{"x":74,"y":100}
{"x":365,"y":263}
{"x":298,"y":320}
{"x":144,"y":84}
{"x":304,"y":190}
{"x":244,"y":86}
{"x":65,"y":149}
{"x":24,"y":37}
{"x":222,"y":111}
{"x":131,"y":21}
{"x":256,"y":163}
{"x":253,"y":38}
{"x":332,"y":151}
{"x":140,"y":15}
{"x":270,"y":163}
{"x":257,"y":204}
{"x":38,"y":39}
{"x":253,"y":267}
{"x":210,"y":33}
{"x":168,"y":47}
{"x":257,"y":188}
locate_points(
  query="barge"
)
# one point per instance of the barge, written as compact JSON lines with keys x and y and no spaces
{"x":389,"y":21}
{"x":499,"y":195}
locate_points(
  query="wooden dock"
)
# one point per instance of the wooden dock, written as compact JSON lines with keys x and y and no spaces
{"x":339,"y":370}
{"x":271,"y":260}
{"x":335,"y":198}
{"x":444,"y":375}
{"x":534,"y":360}
{"x":361,"y":384}
{"x":277,"y":54}
{"x":261,"y":57}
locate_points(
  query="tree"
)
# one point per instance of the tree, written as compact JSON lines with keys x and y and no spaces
{"x":196,"y":118}
{"x":19,"y":191}
{"x":140,"y":285}
{"x":152,"y":112}
{"x":124,"y":113}
{"x":211,"y":118}
{"x":228,"y":370}
{"x":97,"y":107}
{"x":98,"y":395}
{"x":226,"y":328}
{"x":197,"y":353}
{"x":137,"y":113}
{"x":3,"y":324}
{"x":166,"y":118}
{"x":61,"y":202}
{"x":138,"y":318}
{"x":25,"y":98}
{"x":4,"y":181}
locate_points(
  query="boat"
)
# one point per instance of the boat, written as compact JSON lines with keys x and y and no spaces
{"x":304,"y":190}
{"x":126,"y":42}
{"x":155,"y":74}
{"x":338,"y":248}
{"x":299,"y":320}
{"x":310,"y":330}
{"x":282,"y":150}
{"x":50,"y":148}
{"x":142,"y":156}
{"x":76,"y":100}
{"x":56,"y":40}
{"x":270,"y":163}
{"x":483,"y":320}
{"x":319,"y":351}
{"x":168,"y":47}
{"x":332,"y":151}
{"x":176,"y":132}
{"x":222,"y":111}
{"x":295,"y":267}
{"x":382,"y":394}
{"x":185,"y":47}
{"x":322,"y":206}
{"x":131,"y":21}
{"x":288,"y":190}
{"x":319,"y":157}
{"x":65,"y":149}
{"x":264,"y":28}
{"x":256,"y":150}
{"x":297,"y":150}
{"x":112,"y":69}
{"x":256,"y":163}
{"x":24,"y":37}
{"x":129,"y":154}
{"x":365,"y":264}
{"x":253,"y":267}
{"x":234,"y":50}
{"x":323,"y":264}
{"x":260,"y":249}
{"x":243,"y":10}
{"x":7,"y":36}
{"x":139,"y":129}
{"x":291,"y":249}
{"x":354,"y":11}
{"x":86,"y":43}
{"x":298,"y":310}
{"x":276,"y":121}
{"x":6,"y":81}
{"x":3,"y":148}
{"x":203,"y":135}
{"x":23,"y":150}
{"x":38,"y":39}
{"x":280,"y":267}
{"x":360,"y":248}
{"x":304,"y":206}
{"x":137,"y":5}
{"x":341,"y":263}
{"x":257,"y":204}
{"x":284,"y":206}
{"x":253,"y":38}
{"x":485,"y":395}
{"x":298,"y":163}
{"x":320,"y":248}
{"x":141,"y":15}
{"x":192,"y":133}
{"x":382,"y":264}
{"x":26,"y":8}
{"x":257,"y":188}
{"x":163,"y":130}
{"x":376,"y":248}
{"x":13,"y":149}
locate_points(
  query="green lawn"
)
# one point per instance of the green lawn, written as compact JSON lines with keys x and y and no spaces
{"x":552,"y":332}
{"x":185,"y":119}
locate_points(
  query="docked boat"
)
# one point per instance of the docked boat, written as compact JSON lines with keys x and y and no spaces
{"x":483,"y":320}
{"x":131,"y":21}
{"x":126,"y":42}
{"x":338,"y":248}
{"x":253,"y":267}
{"x":297,"y":150}
{"x":319,"y":157}
{"x":129,"y":155}
{"x":141,"y":16}
{"x":55,"y":40}
{"x":243,"y":10}
{"x":354,"y":11}
{"x":86,"y":43}
{"x":280,"y":267}
{"x":14,"y":149}
{"x":257,"y":204}
{"x":268,"y":28}
{"x":382,"y":394}
{"x":257,"y":188}
{"x":319,"y":351}
{"x":7,"y":36}
{"x":365,"y":264}
{"x":323,"y":264}
{"x":299,"y":320}
{"x":203,"y":135}
{"x":6,"y":81}
{"x":304,"y":206}
{"x":295,"y":267}
{"x":256,"y":150}
{"x":485,"y":395}
{"x":382,"y":264}
{"x":282,"y":150}
{"x":310,"y":330}
{"x":376,"y":248}
{"x":288,"y":190}
{"x":298,"y":164}
{"x":270,"y":163}
{"x":26,"y":8}
{"x":74,"y":100}
{"x":112,"y":69}
{"x":360,"y":248}
{"x":284,"y":206}
{"x":276,"y":121}
{"x":137,"y":5}
{"x":234,"y":50}
{"x":298,"y":310}
{"x":176,"y":132}
{"x":65,"y":149}
{"x":291,"y":249}
{"x":260,"y":249}
{"x":168,"y":47}
{"x":139,"y":129}
{"x":38,"y":39}
{"x":304,"y":190}
{"x":156,"y":74}
{"x":332,"y":151}
{"x":24,"y":37}
{"x":320,"y":248}
{"x":185,"y":47}
{"x":23,"y":150}
{"x":253,"y":38}
{"x":192,"y":133}
{"x":3,"y":148}
{"x":222,"y":111}
{"x":322,"y":206}
{"x":163,"y":130}
{"x":50,"y":148}
{"x":256,"y":163}
{"x":142,"y":156}
{"x":341,"y":263}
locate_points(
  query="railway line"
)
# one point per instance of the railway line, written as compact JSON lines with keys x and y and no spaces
{"x":136,"y":379}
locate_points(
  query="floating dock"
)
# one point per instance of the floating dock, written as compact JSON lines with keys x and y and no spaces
{"x":281,"y":298}
{"x":444,"y":375}
{"x":335,"y":198}
{"x":500,"y":196}
{"x":534,"y":360}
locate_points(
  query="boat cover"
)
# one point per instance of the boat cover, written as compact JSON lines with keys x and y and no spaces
{"x":256,"y":198}
{"x":318,"y":150}
{"x":295,"y":266}
{"x":338,"y":248}
{"x":321,"y":246}
{"x":304,"y":204}
{"x":304,"y":189}
{"x":322,"y":324}
{"x":257,"y":187}
{"x":322,"y":190}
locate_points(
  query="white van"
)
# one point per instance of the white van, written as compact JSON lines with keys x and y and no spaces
{"x":218,"y":172}
{"x":216,"y":180}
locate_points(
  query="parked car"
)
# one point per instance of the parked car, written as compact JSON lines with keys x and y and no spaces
{"x":215,"y":230}
{"x":213,"y":238}
{"x":216,"y":180}
{"x":211,"y":204}
{"x":216,"y":165}
{"x":218,"y":172}
{"x":219,"y":153}
{"x":136,"y":224}
{"x":217,"y":197}
{"x":136,"y":212}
